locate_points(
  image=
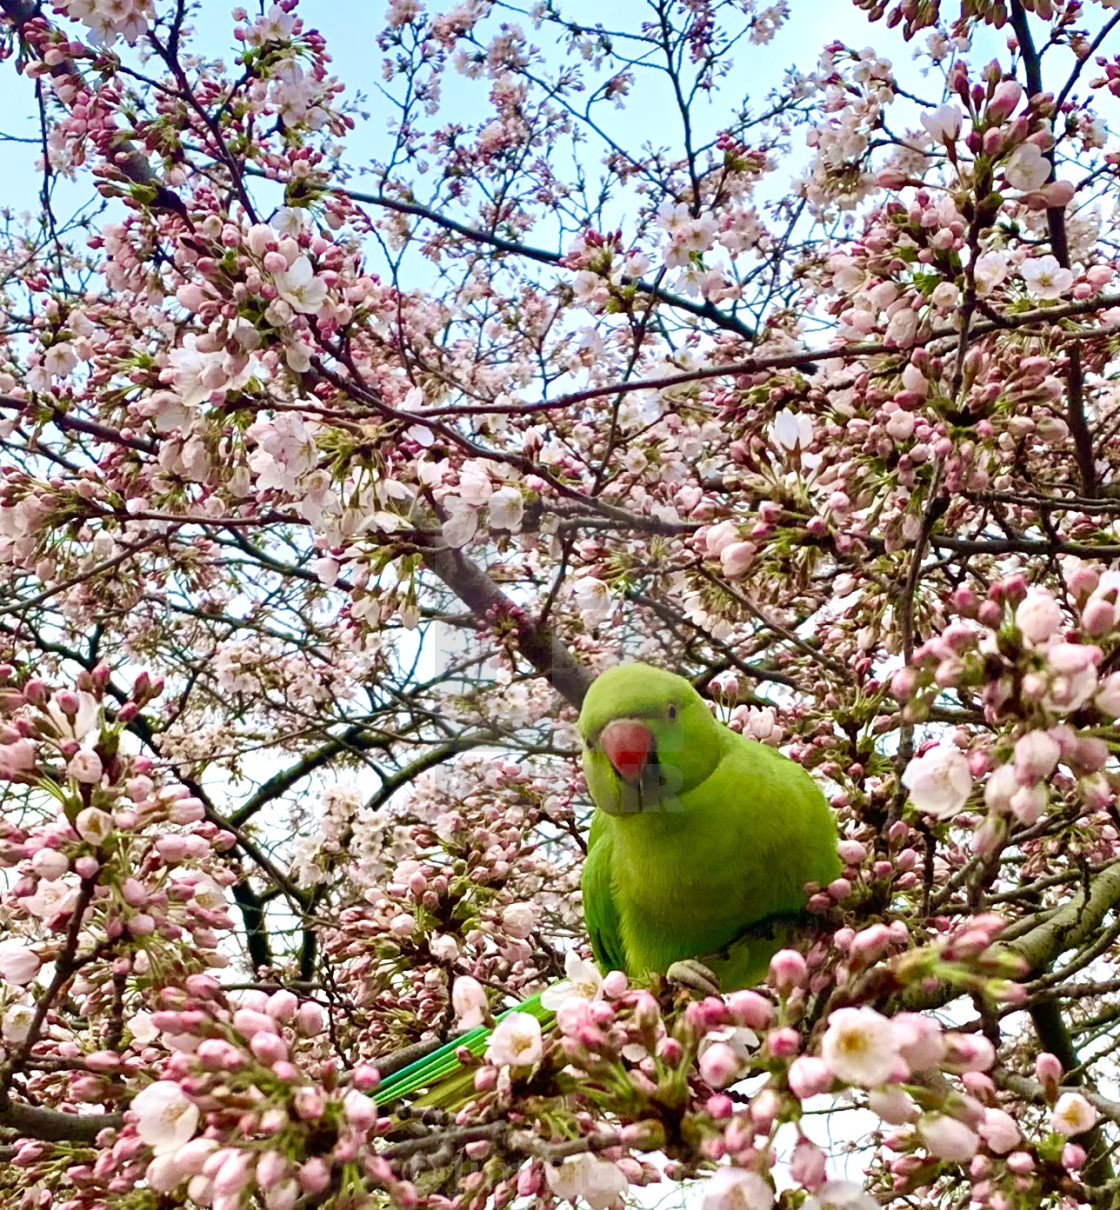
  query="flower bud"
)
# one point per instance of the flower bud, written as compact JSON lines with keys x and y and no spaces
{"x":787,"y":971}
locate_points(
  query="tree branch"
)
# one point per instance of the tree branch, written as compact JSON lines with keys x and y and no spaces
{"x":54,"y":1126}
{"x":537,"y":642}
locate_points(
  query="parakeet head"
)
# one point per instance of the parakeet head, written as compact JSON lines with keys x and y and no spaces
{"x":648,"y":737}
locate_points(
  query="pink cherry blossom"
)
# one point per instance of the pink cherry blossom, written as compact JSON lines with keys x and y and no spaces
{"x":947,"y":1138}
{"x":1073,"y":1114}
{"x":1045,"y":278}
{"x":1038,"y":615}
{"x":736,"y":1189}
{"x":999,"y":1131}
{"x":516,"y":1041}
{"x":166,"y":1117}
{"x":596,"y":1181}
{"x":469,"y":1000}
{"x":860,"y":1046}
{"x":939,"y":782}
{"x":1027,"y":168}
{"x":18,"y":964}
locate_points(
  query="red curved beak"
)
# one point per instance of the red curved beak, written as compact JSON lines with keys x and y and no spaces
{"x":628,"y":745}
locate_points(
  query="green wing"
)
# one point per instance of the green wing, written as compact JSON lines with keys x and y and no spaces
{"x":600,"y":912}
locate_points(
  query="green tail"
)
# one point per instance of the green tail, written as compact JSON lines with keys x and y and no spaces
{"x":449,"y":1084}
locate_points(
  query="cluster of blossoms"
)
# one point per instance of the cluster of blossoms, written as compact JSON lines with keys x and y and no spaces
{"x":299,"y":1129}
{"x":1036,"y":676}
{"x":929,"y":1086}
{"x":108,"y":20}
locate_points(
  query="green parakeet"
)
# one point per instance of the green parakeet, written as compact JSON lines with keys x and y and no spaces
{"x":702,"y":841}
{"x":701,"y":845}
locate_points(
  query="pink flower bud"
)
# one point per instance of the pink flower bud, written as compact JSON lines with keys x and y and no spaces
{"x":869,"y":943}
{"x":85,"y":767}
{"x":947,"y":1138}
{"x":247,"y":1022}
{"x":1058,"y":193}
{"x":894,"y":1105}
{"x":999,"y":1131}
{"x":968,"y":1052}
{"x":783,"y":1043}
{"x":171,"y":849}
{"x":670,"y":1052}
{"x":529,"y":1181}
{"x":990,"y":614}
{"x":268,"y":1048}
{"x":809,"y":1076}
{"x":309,"y":1104}
{"x":1098,"y":617}
{"x":736,"y":559}
{"x":765,"y":1109}
{"x":365,"y":1078}
{"x":282,"y":1006}
{"x":314,"y":1175}
{"x":272,"y":1167}
{"x":282,"y":1196}
{"x":163,"y":1174}
{"x":233,"y":1175}
{"x":403,"y":926}
{"x":615,"y":984}
{"x":904,"y":684}
{"x":788,"y":971}
{"x":1091,"y":754}
{"x":1073,"y":1157}
{"x":309,"y":1019}
{"x":86,"y":866}
{"x":186,"y":811}
{"x":18,"y":964}
{"x":1004,"y":100}
{"x":851,"y":852}
{"x":1036,"y":756}
{"x":49,"y":864}
{"x":217,"y":1054}
{"x":16,"y":758}
{"x":920,"y":1041}
{"x":719,"y":1065}
{"x":750,"y":1009}
{"x":807,"y":1165}
{"x":360,"y":1110}
{"x":486,"y":1079}
{"x":1047,"y":1070}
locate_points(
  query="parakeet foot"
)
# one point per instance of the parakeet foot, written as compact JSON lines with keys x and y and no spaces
{"x":694,"y":975}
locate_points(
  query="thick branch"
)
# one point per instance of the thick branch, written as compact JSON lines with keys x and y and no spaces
{"x":1073,"y":925}
{"x":1069,"y":927}
{"x":54,"y":1126}
{"x":537,"y":642}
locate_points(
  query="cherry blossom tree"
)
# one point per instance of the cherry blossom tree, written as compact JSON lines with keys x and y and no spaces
{"x":328,"y":483}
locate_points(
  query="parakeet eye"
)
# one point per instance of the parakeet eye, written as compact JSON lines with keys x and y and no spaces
{"x":672,"y":713}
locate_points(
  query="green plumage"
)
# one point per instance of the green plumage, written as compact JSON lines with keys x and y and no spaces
{"x":704,"y":854}
{"x":708,"y":855}
{"x":449,"y":1082}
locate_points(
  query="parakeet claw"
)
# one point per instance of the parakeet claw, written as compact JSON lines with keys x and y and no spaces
{"x":694,"y":975}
